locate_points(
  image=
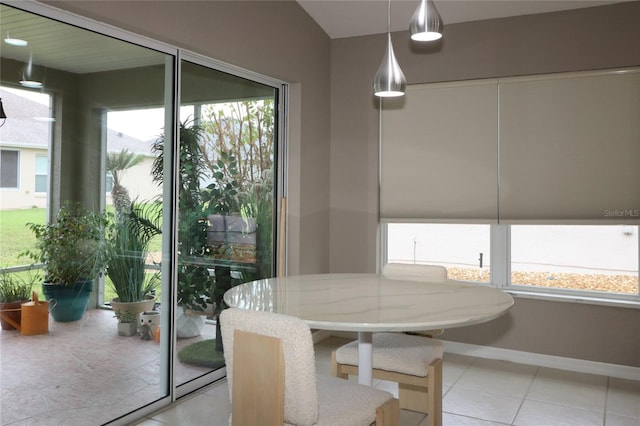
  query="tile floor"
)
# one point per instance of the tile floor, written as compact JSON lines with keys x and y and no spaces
{"x":477,"y":392}
{"x":81,"y":373}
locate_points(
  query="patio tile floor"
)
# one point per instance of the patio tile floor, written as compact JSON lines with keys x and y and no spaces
{"x":81,"y":372}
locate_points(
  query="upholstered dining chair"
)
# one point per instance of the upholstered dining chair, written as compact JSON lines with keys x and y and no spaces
{"x":413,"y":360}
{"x":272,"y":377}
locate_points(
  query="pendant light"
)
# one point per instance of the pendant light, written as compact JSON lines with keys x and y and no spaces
{"x":426,"y":23}
{"x":32,"y":76}
{"x":389,"y":80}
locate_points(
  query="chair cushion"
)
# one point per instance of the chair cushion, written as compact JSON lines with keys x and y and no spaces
{"x":345,"y":403}
{"x":397,"y":352}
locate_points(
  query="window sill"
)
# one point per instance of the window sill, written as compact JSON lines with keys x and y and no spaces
{"x":572,"y":298}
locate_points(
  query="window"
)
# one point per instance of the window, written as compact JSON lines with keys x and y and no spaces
{"x":585,"y":258}
{"x":42,"y":167}
{"x":598,"y":261}
{"x":463,"y":249}
{"x":9,"y":167}
{"x":109,"y":182}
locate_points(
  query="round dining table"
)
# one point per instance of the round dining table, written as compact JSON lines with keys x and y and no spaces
{"x":368,"y":303}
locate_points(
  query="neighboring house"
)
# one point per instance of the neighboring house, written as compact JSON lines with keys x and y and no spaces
{"x":24,"y":154}
{"x":24,"y":150}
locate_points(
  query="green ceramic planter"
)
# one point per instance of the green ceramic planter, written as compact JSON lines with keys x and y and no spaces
{"x":67,"y":303}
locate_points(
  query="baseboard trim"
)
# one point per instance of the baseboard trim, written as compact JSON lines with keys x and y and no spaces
{"x":521,"y":357}
{"x":542,"y":360}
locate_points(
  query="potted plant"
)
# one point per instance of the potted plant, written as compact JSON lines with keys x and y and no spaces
{"x":127,"y":323}
{"x":74,"y":251}
{"x":130,"y":235}
{"x":194,"y":280}
{"x":14,"y":291}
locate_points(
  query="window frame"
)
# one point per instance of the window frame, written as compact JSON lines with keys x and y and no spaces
{"x":500,"y":246}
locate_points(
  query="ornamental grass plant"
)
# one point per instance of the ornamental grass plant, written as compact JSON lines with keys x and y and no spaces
{"x":130,"y":235}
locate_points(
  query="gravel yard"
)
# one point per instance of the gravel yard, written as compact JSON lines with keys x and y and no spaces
{"x":626,"y":284}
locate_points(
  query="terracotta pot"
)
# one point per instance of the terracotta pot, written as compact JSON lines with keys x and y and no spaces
{"x":10,"y":312}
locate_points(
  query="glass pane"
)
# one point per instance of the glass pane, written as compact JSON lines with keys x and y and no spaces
{"x":9,"y":165}
{"x":42,"y":174}
{"x":226,"y":201}
{"x":89,"y":366}
{"x":133,"y":195}
{"x":42,"y":165}
{"x":41,"y":183}
{"x":577,"y":257}
{"x":462,"y":249}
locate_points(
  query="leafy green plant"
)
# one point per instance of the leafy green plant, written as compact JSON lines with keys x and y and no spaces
{"x":129,"y":237}
{"x":73,"y":247}
{"x":16,"y":287}
{"x":126,"y":316}
{"x":257,"y":202}
{"x":194,"y":281}
{"x":221,"y":196}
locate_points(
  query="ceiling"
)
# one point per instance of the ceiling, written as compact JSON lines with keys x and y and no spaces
{"x":348,"y":18}
{"x":68,"y":48}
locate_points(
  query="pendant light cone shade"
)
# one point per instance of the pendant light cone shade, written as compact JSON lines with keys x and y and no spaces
{"x":32,"y":76}
{"x":389,"y":80}
{"x":426,"y":23}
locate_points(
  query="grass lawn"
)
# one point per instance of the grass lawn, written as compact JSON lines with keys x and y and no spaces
{"x":15,"y":237}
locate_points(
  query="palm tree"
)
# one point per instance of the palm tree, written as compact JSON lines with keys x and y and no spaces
{"x":116,"y":164}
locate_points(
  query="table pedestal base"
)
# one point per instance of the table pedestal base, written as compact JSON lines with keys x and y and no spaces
{"x":365,"y":358}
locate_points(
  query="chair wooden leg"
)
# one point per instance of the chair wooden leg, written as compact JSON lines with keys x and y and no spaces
{"x":413,"y":397}
{"x":434,"y":378}
{"x":336,"y":370}
{"x":388,"y":414}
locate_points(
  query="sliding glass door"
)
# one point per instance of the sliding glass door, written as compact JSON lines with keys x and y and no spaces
{"x":69,"y":95}
{"x":226,"y":208}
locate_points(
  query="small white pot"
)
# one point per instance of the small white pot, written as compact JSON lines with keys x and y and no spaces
{"x":151,"y":319}
{"x":188,"y":325}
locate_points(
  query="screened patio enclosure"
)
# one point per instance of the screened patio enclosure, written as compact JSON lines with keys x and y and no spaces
{"x":123,"y":124}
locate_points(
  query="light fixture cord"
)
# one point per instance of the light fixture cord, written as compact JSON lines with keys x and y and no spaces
{"x":389,"y":18}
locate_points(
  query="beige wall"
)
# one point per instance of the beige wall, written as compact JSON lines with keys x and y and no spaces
{"x":564,"y":41}
{"x":278,"y":40}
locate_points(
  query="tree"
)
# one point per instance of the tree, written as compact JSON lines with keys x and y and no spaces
{"x":116,"y":164}
{"x":244,"y":131}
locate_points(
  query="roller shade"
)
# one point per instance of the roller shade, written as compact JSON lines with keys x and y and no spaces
{"x":570,"y":148}
{"x":439,"y":154}
{"x":558,"y":149}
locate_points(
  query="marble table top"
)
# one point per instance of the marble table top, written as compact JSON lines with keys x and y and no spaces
{"x":371,"y":302}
